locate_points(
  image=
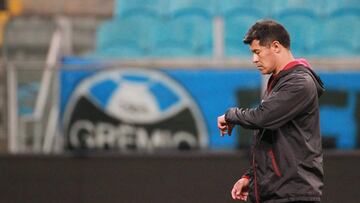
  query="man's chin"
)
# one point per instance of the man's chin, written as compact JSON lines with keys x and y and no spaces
{"x":263,"y":72}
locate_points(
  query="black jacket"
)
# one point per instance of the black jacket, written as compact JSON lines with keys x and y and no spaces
{"x":287,"y":158}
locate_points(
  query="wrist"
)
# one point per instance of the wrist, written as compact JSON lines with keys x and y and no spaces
{"x":227,"y":114}
{"x":245,"y":177}
{"x":245,"y":180}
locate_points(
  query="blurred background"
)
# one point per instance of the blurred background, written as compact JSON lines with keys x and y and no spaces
{"x":117,"y":100}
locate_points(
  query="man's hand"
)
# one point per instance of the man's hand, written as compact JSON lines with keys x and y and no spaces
{"x":223,"y":126}
{"x":240,"y":190}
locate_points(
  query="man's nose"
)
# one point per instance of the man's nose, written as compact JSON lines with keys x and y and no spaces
{"x":255,"y":58}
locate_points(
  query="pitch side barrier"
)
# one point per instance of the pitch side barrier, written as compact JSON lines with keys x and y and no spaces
{"x":197,"y":176}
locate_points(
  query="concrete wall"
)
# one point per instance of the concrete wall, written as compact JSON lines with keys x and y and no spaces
{"x":69,"y":7}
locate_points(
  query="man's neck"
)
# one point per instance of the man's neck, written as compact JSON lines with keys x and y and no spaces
{"x":286,"y":58}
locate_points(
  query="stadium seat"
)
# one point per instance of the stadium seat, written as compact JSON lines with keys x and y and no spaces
{"x":129,"y":37}
{"x":307,"y":6}
{"x":236,"y":25}
{"x":199,"y":7}
{"x":338,"y":34}
{"x":117,"y":51}
{"x":332,"y":6}
{"x":301,"y":26}
{"x":112,"y":36}
{"x":261,"y":7}
{"x":185,"y":35}
{"x":130,"y":7}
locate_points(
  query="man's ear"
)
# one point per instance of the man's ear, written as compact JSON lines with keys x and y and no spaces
{"x":276,"y":46}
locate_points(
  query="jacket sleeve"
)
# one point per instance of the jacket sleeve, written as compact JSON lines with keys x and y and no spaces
{"x":291,"y":98}
{"x":248,"y":174}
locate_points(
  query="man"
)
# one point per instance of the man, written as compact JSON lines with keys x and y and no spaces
{"x":287,"y":160}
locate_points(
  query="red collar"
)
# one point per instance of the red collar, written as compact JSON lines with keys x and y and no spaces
{"x":288,"y":66}
{"x":296,"y":62}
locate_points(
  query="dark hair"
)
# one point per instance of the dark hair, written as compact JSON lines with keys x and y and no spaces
{"x":267,"y":31}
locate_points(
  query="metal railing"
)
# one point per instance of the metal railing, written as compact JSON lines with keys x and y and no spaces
{"x":40,"y":126}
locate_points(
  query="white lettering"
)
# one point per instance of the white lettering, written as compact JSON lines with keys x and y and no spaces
{"x":105,"y":135}
{"x":125,"y":136}
{"x":86,"y":128}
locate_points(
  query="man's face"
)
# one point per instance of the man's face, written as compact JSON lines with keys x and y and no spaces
{"x":263,"y":57}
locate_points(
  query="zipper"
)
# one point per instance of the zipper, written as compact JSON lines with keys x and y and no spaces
{"x":257,"y":198}
{"x":273,"y":162}
{"x":257,"y":142}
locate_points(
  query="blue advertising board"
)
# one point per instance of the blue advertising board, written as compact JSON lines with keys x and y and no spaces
{"x":340,"y":108}
{"x":178,"y":108}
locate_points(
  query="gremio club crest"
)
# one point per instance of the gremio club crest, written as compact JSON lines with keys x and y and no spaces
{"x":132,"y":109}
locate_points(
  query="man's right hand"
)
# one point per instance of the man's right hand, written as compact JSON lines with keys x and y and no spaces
{"x":224,"y":127}
{"x":240,"y":190}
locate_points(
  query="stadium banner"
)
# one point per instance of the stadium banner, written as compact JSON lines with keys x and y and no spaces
{"x":144,"y":109}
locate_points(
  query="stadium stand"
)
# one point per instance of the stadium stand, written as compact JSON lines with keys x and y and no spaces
{"x":186,"y":32}
{"x":261,"y":7}
{"x":178,"y":37}
{"x":314,"y":8}
{"x":301,"y":25}
{"x":335,"y":35}
{"x":236,"y":26}
{"x":236,"y":16}
{"x":330,"y":6}
{"x":131,"y":36}
{"x":184,"y":35}
{"x":70,"y":8}
{"x":28,"y":37}
{"x":133,"y":7}
{"x":84,"y":32}
{"x":201,"y":7}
